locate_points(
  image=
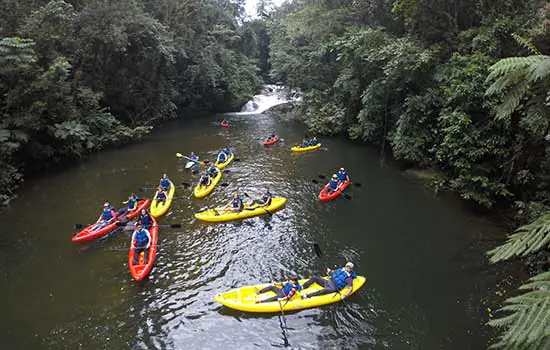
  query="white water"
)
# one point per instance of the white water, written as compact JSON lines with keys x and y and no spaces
{"x":272,"y":95}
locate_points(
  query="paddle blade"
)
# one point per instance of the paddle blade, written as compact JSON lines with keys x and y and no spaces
{"x":226,"y":171}
{"x":321,"y":176}
{"x":317,"y":250}
{"x":314,"y":181}
{"x":237,"y":159}
{"x":224,"y":184}
{"x":185,"y":184}
{"x":175,"y":225}
{"x":79,"y":226}
{"x":347,"y":196}
{"x":179,"y":155}
{"x":357,"y":184}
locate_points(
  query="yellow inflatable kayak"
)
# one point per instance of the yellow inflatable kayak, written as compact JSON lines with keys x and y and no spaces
{"x":158,"y":209}
{"x":219,"y":214}
{"x":304,"y":149}
{"x":244,"y":298}
{"x":205,"y":190}
{"x":226,"y":163}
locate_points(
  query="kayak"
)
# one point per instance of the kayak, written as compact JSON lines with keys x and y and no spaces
{"x":190,"y":164}
{"x":205,"y":190}
{"x":219,"y":214}
{"x":325,"y":196}
{"x":141,"y":270}
{"x":159,"y":208}
{"x":273,"y":141}
{"x":304,"y":149}
{"x":224,"y":125}
{"x":95,"y":231}
{"x":244,"y":298}
{"x":226,"y":163}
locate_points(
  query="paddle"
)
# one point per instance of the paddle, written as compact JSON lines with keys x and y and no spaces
{"x":282,"y":315}
{"x":267,"y":211}
{"x":358,"y":184}
{"x":203,"y":163}
{"x":319,"y":254}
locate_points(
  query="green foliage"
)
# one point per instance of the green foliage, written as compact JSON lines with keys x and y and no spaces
{"x":528,"y":320}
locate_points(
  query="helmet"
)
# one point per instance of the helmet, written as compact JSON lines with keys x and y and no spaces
{"x":342,"y":169}
{"x":334,"y":176}
{"x":106,"y":204}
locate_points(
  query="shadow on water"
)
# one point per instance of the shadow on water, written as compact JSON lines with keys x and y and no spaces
{"x":427,"y":285}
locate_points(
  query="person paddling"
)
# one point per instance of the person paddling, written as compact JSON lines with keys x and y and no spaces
{"x":131,"y":205}
{"x":285,"y":292}
{"x":213,"y":171}
{"x":305,"y":143}
{"x":333,"y":184}
{"x":339,"y":279}
{"x":141,"y":241}
{"x":204,"y":181}
{"x":160,"y":196}
{"x":193,"y":156}
{"x":144,"y":219}
{"x":165,"y":182}
{"x":236,"y":205}
{"x":342,"y":176}
{"x":313,"y":141}
{"x":265,"y":200}
{"x":222,"y":156}
{"x":107,"y":215}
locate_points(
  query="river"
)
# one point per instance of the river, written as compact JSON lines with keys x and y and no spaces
{"x":427,"y":280}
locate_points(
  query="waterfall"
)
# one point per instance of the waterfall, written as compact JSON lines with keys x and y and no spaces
{"x":270,"y":96}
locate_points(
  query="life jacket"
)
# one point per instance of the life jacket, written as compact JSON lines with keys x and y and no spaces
{"x":132,"y":203}
{"x":288,"y":287}
{"x":165,"y":183}
{"x":339,"y":277}
{"x":333,"y":184}
{"x":204,"y":180}
{"x":313,"y":142}
{"x":305,"y":144}
{"x":161,"y":196}
{"x":141,"y":237}
{"x":266,"y":198}
{"x":237,"y":202}
{"x":194,"y":157}
{"x":145,"y":220}
{"x":107,"y":214}
{"x":342,"y":175}
{"x":213,"y":171}
{"x":222,"y":157}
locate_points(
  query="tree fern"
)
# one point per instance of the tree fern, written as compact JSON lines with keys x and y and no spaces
{"x":527,"y":239}
{"x":526,"y":43}
{"x":528,"y":324}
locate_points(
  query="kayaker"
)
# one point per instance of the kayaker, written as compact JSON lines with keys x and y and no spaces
{"x":144,"y":219}
{"x":333,"y":184}
{"x":160,"y":196}
{"x":236,"y":204}
{"x":313,"y":141}
{"x":107,"y":215}
{"x":265,"y":200}
{"x":227,"y":151}
{"x":141,"y":241}
{"x":193,"y":156}
{"x":342,"y":176}
{"x":131,"y":205}
{"x":305,"y":143}
{"x":222,"y":156}
{"x":339,"y":279}
{"x":165,"y":182}
{"x":285,"y":292}
{"x":204,"y":181}
{"x":213,"y":171}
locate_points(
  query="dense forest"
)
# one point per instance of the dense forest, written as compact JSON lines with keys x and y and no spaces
{"x":460,"y":88}
{"x":78,"y":76}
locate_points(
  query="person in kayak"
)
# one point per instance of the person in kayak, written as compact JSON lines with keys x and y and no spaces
{"x":165,"y":182}
{"x":333,"y":184}
{"x":305,"y":143}
{"x":205,"y":181}
{"x":131,"y":205}
{"x":265,"y":200}
{"x":141,"y":241}
{"x":236,"y":205}
{"x":227,"y":151}
{"x":222,"y":156}
{"x":144,"y":219}
{"x":342,"y":176}
{"x":285,"y":292}
{"x":313,"y":141}
{"x":161,"y":195}
{"x":193,"y":156}
{"x":213,"y":171}
{"x":339,"y":279}
{"x":107,"y":215}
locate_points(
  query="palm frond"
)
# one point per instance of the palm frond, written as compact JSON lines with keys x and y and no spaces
{"x":526,"y":43}
{"x":528,"y":324}
{"x":527,"y":239}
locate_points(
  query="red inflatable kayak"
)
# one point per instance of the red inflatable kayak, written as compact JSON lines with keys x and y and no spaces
{"x":325,"y":196}
{"x":93,"y":231}
{"x":273,"y":141}
{"x":141,"y":270}
{"x":224,"y":125}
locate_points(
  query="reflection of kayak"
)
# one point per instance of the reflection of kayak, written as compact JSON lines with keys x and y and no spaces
{"x":160,"y":208}
{"x":224,"y":125}
{"x":93,"y":231}
{"x":219,"y":214}
{"x":244,"y":298}
{"x":303,"y":149}
{"x":325,"y":196}
{"x":140,"y":271}
{"x":226,"y":163}
{"x":269,"y":143}
{"x":205,"y":190}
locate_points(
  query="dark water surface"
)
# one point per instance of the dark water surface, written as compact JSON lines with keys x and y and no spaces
{"x":426,"y":276}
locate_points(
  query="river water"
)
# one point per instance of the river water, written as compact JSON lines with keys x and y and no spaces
{"x":427,"y":283}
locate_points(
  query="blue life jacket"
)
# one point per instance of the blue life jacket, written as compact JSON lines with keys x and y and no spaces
{"x":213,"y":170}
{"x":237,"y":202}
{"x":204,"y":180}
{"x":222,"y":157}
{"x":342,"y":175}
{"x":165,"y":183}
{"x":305,"y":144}
{"x":227,"y":151}
{"x":107,"y":214}
{"x":266,"y":198}
{"x":132,"y":203}
{"x":288,"y":287}
{"x":195,"y":157}
{"x":145,"y":220}
{"x":333,"y":184}
{"x":161,"y":196}
{"x":141,"y":237}
{"x":313,"y":142}
{"x":339,"y":277}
